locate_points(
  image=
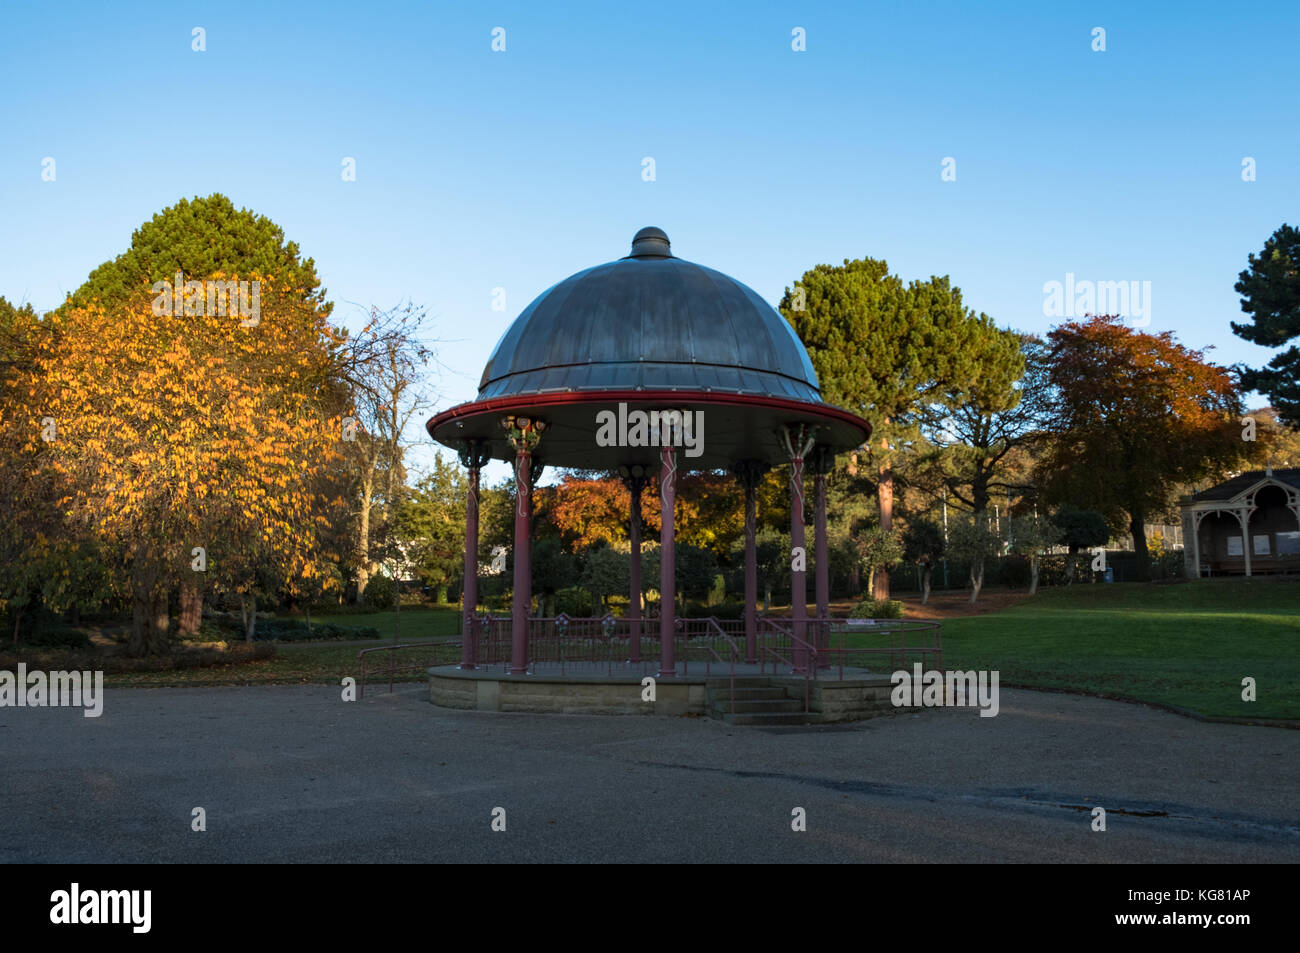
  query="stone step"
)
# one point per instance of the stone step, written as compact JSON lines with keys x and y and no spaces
{"x":773,"y":706}
{"x":722,"y":694}
{"x":747,"y":681}
{"x":759,"y":719}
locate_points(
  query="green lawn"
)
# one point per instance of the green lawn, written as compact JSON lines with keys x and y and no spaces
{"x":431,"y":622}
{"x":1188,"y":645}
{"x":295,"y":663}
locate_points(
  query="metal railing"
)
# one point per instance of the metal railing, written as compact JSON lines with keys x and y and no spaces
{"x":604,"y":644}
{"x":427,"y":659}
{"x":566,"y":644}
{"x":735,"y":655}
{"x":891,"y":638}
{"x":772,"y":639}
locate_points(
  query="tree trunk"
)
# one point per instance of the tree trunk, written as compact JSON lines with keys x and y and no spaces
{"x":148,"y":617}
{"x":363,"y":537}
{"x":855,"y":580}
{"x":1137,"y":526}
{"x":885,"y":493}
{"x":191,"y":609}
{"x":160,"y":619}
{"x":767,"y":596}
{"x":1070,"y":558}
{"x":248,"y":613}
{"x":925,"y":583}
{"x":976,"y":577}
{"x":1033,"y":573}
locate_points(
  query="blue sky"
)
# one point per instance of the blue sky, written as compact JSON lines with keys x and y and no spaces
{"x":479,"y":169}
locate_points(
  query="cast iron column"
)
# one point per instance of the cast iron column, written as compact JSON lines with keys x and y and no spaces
{"x":749,"y":473}
{"x":634,"y":479}
{"x":798,"y":441}
{"x":822,"y":460}
{"x":667,"y":561}
{"x":524,"y":434}
{"x":472,"y":456}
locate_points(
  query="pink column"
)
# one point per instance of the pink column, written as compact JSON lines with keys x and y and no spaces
{"x":635,"y":481}
{"x":823,"y":583}
{"x":798,"y":441}
{"x":749,"y":472}
{"x":523,"y":595}
{"x":667,"y":562}
{"x":524,"y":435}
{"x":473,"y":456}
{"x":798,"y":576}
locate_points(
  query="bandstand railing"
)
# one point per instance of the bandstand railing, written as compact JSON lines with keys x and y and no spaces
{"x":565,"y":644}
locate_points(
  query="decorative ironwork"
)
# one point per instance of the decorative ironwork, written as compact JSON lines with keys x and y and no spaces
{"x":798,"y":440}
{"x":474,"y":454}
{"x":821,"y":460}
{"x":524,"y":434}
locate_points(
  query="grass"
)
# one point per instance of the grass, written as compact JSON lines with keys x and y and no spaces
{"x":297,"y":663}
{"x":1185,"y":645}
{"x":429,"y":622}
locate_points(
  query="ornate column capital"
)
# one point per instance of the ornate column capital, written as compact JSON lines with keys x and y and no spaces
{"x":634,"y":476}
{"x":749,"y":473}
{"x":474,"y":454}
{"x":524,"y":433}
{"x":821,"y":460}
{"x":798,"y":439}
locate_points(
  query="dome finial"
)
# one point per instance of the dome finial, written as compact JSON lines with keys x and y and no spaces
{"x":651,"y":242}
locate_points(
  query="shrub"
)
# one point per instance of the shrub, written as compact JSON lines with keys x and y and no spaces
{"x":381,"y":592}
{"x":720,"y":610}
{"x":574,"y":601}
{"x":57,"y":637}
{"x":344,"y":608}
{"x":732,"y":609}
{"x":871,"y":609}
{"x":1015,"y":572}
{"x":293,"y":630}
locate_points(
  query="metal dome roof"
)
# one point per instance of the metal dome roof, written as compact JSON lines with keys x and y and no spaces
{"x":650,"y":321}
{"x":645,"y":333}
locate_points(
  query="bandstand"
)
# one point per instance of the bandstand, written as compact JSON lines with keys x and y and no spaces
{"x":648,"y":366}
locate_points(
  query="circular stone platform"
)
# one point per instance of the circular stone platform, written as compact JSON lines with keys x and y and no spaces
{"x":759,"y":698}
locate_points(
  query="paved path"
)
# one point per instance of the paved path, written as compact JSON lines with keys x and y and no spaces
{"x":295,"y":774}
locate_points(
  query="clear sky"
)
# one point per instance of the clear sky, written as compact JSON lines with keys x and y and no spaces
{"x":478,"y":169}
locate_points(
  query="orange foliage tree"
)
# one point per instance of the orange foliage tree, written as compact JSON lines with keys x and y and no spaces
{"x":710,"y":510}
{"x":195,"y":442}
{"x":1134,"y":416}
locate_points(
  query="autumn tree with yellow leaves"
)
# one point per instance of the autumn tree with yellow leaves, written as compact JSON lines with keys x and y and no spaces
{"x":195,"y":442}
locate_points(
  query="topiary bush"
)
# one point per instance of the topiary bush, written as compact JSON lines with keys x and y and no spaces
{"x":381,"y":592}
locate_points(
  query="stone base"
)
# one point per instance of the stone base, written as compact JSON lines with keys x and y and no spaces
{"x":851,"y":699}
